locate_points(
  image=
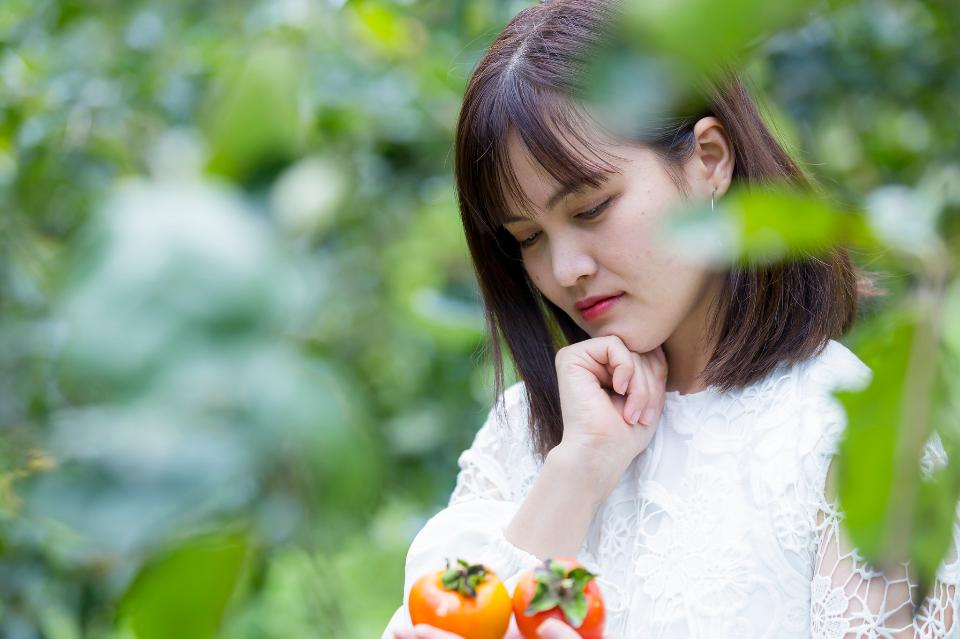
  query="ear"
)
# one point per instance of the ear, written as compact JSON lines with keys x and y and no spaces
{"x":713,"y":160}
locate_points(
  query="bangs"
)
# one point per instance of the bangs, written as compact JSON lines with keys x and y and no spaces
{"x":557,"y":133}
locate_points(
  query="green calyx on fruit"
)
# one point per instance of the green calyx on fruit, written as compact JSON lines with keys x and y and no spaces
{"x":464,"y":579}
{"x":556,"y":586}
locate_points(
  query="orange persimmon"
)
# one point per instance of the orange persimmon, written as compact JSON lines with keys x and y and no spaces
{"x":560,"y":588}
{"x":468,"y":600}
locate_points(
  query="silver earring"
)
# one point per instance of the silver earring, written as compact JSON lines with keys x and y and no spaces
{"x":711,"y":197}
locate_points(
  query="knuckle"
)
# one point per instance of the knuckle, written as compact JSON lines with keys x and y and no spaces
{"x":615,"y":340}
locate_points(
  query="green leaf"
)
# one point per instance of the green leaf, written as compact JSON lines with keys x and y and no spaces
{"x":938,"y":495}
{"x":951,"y":319}
{"x":557,"y":568}
{"x":254,"y":122}
{"x":702,"y":32}
{"x":580,"y":574}
{"x":868,"y":448}
{"x":542,"y":599}
{"x":763,"y":225}
{"x":581,"y":577}
{"x":450,"y":578}
{"x":183,"y":592}
{"x":933,"y":525}
{"x":575,"y":610}
{"x":464,"y":579}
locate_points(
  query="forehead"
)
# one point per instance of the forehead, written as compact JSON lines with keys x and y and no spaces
{"x":535,"y":180}
{"x":540,"y":179}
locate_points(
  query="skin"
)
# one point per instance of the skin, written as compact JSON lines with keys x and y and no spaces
{"x":667,"y":295}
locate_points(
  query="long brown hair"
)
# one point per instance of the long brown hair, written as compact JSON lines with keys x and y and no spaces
{"x":765,"y":316}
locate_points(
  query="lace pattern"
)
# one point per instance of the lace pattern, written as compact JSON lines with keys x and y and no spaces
{"x":848,"y":596}
{"x":721,"y":528}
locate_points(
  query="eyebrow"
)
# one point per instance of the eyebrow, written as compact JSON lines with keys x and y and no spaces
{"x":562,"y":192}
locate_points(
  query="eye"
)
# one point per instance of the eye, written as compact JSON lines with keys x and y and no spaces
{"x":586,"y":215}
{"x":595,"y":211}
{"x":529,"y":241}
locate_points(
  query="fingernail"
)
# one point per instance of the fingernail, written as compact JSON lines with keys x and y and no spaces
{"x":649,"y":416}
{"x":635,"y":416}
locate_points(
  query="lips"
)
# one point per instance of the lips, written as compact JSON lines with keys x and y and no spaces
{"x":599,"y":308}
{"x":590,"y":301}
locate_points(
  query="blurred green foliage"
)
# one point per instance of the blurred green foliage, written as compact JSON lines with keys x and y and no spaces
{"x":239,"y":333}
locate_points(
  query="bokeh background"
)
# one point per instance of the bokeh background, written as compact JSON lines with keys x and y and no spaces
{"x":241,"y":344}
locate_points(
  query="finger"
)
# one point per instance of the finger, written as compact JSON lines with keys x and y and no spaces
{"x":607,"y":358}
{"x":403,"y":634}
{"x":638,"y":392}
{"x":584,"y":362}
{"x":621,"y":377}
{"x":620,"y":363}
{"x":424,"y":631}
{"x":661,"y":382}
{"x":660,"y":366}
{"x":553,"y":628}
{"x":660,"y":355}
{"x":651,"y":412}
{"x":662,"y":402}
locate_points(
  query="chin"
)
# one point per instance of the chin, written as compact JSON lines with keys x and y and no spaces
{"x":631,"y":342}
{"x":640,"y":344}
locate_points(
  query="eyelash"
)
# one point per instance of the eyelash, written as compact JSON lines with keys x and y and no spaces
{"x":586,"y":215}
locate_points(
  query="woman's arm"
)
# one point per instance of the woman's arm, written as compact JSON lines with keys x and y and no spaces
{"x":480,"y":508}
{"x":554,"y":518}
{"x":851,"y":598}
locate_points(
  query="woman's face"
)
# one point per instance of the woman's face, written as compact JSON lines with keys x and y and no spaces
{"x":602,"y":241}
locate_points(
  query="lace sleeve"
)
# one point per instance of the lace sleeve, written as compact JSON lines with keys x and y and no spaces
{"x":499,"y":464}
{"x":849,"y":598}
{"x":488,"y":491}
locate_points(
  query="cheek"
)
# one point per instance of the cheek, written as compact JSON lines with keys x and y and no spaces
{"x":630,"y":247}
{"x":635,"y":223}
{"x":667,"y":283}
{"x":536,"y":276}
{"x":688,"y":287}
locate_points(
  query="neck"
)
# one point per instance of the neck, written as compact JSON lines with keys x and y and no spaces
{"x":687,"y":350}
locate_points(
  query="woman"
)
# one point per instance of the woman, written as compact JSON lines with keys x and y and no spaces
{"x":673,"y":427}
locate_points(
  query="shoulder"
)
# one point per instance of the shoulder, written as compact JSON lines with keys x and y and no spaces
{"x":515,"y":397}
{"x":834,"y":367}
{"x":505,"y":426}
{"x":777,"y":400}
{"x":776,"y":395}
{"x":838,"y":368}
{"x":508,"y":414}
{"x":500,"y":461}
{"x":794,"y":416}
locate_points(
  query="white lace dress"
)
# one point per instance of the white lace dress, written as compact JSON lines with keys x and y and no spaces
{"x":719,"y":529}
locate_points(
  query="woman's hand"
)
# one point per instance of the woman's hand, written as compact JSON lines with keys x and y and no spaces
{"x":602,"y":386}
{"x":549,"y":629}
{"x":423,"y":631}
{"x":555,"y":629}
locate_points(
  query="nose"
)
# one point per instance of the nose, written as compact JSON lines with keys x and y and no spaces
{"x":571,"y":261}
